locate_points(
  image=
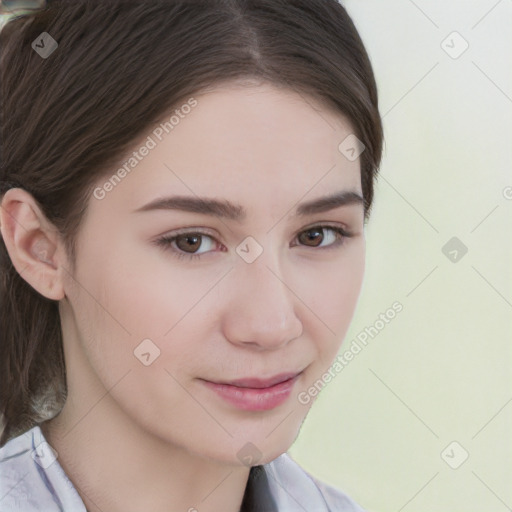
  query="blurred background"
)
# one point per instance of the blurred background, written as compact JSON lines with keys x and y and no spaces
{"x":15,"y":7}
{"x":420,"y":420}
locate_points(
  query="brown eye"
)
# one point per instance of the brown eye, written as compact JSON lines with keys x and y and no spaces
{"x":315,"y":236}
{"x":187,"y":245}
{"x":189,"y":242}
{"x":312,"y":237}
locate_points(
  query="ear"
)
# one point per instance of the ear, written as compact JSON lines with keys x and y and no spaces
{"x":32,"y":242}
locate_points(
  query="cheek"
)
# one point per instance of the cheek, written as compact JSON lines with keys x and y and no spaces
{"x":143,"y":298}
{"x":331,"y":288}
{"x":123,"y":319}
{"x":330,"y":291}
{"x":148,"y":291}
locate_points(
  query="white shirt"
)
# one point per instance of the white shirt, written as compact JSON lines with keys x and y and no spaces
{"x":32,"y":480}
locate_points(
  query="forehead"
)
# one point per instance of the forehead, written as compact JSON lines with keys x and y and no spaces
{"x":249,"y":143}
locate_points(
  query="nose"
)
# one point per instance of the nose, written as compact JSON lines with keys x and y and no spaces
{"x":261,"y":309}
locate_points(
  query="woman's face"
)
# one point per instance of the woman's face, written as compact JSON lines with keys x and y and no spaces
{"x":262,"y":290}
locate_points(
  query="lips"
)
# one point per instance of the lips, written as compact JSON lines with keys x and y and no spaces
{"x":255,"y":383}
{"x":256,"y":395}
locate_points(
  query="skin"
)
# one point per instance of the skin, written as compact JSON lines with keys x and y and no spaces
{"x":133,"y":437}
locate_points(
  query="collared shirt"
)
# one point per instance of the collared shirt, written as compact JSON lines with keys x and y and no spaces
{"x":32,"y":480}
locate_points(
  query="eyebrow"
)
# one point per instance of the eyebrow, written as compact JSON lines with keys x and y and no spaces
{"x":227,"y":210}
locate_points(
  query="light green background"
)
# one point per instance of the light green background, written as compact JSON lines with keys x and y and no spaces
{"x":440,"y":371}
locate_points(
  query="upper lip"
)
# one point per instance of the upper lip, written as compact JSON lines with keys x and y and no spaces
{"x":253,"y":382}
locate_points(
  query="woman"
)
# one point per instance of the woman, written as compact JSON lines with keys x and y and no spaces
{"x":184,"y":191}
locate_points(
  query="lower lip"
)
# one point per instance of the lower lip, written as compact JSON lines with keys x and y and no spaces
{"x":253,"y":399}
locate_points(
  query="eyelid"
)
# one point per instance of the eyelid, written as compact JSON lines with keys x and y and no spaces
{"x":190,"y":230}
{"x":325,"y":224}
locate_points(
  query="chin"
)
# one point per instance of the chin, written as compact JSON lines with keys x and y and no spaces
{"x":250,"y":447}
{"x":266,"y":444}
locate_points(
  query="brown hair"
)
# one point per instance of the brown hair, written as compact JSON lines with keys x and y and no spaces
{"x":119,"y":66}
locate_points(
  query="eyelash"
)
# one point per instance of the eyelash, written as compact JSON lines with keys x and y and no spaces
{"x":166,"y":240}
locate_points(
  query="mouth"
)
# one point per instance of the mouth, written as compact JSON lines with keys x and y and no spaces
{"x":253,"y":394}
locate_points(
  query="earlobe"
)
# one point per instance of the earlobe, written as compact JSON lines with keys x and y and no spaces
{"x":31,"y":242}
